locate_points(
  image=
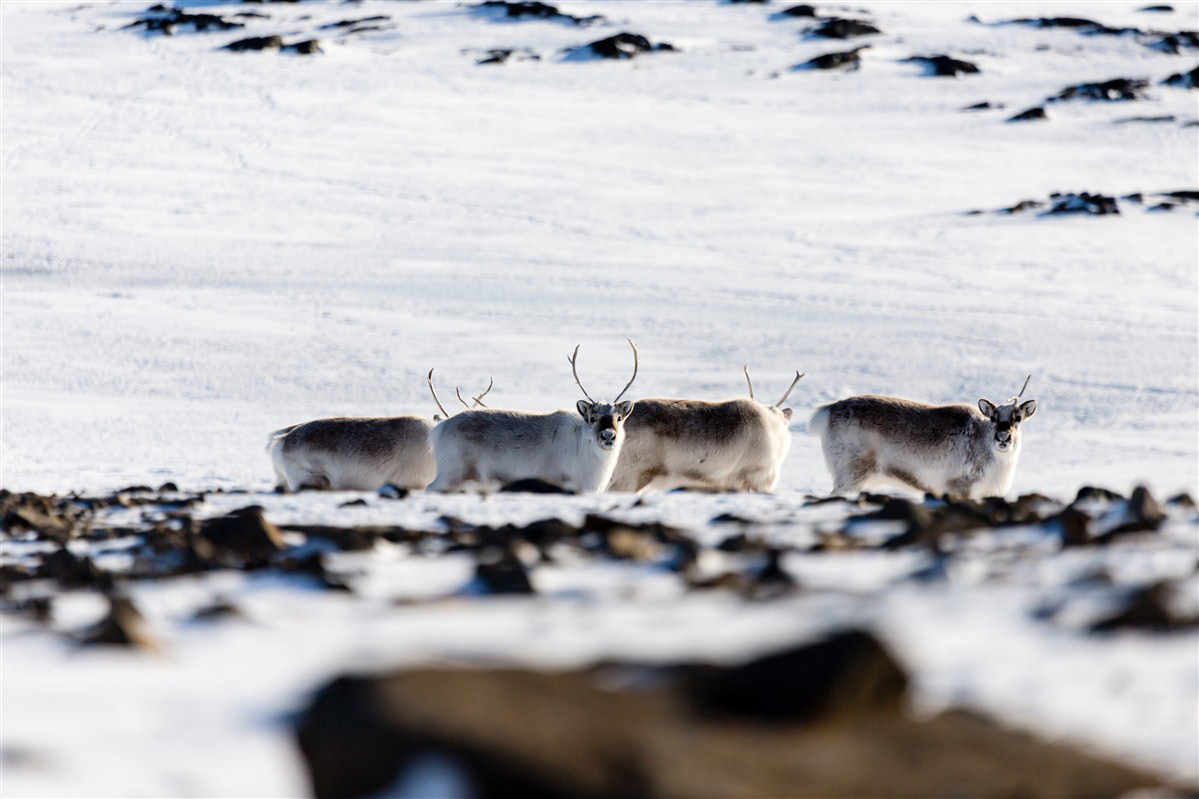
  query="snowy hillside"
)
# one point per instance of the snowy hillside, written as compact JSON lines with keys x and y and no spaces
{"x":201,"y":245}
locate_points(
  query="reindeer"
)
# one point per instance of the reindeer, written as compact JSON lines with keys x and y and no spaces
{"x":950,"y":450}
{"x":734,"y":445}
{"x":578,"y":452}
{"x":358,"y":453}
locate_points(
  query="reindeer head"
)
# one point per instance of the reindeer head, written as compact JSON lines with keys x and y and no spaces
{"x":776,"y":407}
{"x":1006,"y":418}
{"x":606,"y":419}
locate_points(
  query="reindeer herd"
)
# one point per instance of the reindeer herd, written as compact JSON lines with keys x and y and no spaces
{"x":658,"y":444}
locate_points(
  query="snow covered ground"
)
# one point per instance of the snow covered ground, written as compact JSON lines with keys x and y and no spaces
{"x":202,"y":246}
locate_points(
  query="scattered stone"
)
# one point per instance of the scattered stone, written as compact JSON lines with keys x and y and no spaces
{"x":243,"y":535}
{"x":1082,"y":203}
{"x":1184,"y":80}
{"x":174,"y":18}
{"x":944,"y":66}
{"x":731,"y":518}
{"x":1036,"y":112}
{"x":500,"y":571}
{"x":1115,"y":90}
{"x":1147,"y":609}
{"x":1142,"y":514}
{"x":849,"y":59}
{"x":1022,"y":206}
{"x":1074,"y":526}
{"x":312,"y":564}
{"x":983,"y":106}
{"x":840,"y":28}
{"x":255,"y":43}
{"x":1175,"y":43}
{"x":308,"y":47}
{"x":70,"y":571}
{"x":217,"y":611}
{"x":122,"y":626}
{"x":350,"y":23}
{"x":354,"y":503}
{"x":501,"y":56}
{"x":1090,"y":493}
{"x":536,"y":10}
{"x":1163,"y":118}
{"x":1160,"y":8}
{"x":1183,"y":500}
{"x":621,"y":46}
{"x":801,"y":10}
{"x":168,"y":486}
{"x":534,"y":485}
{"x":390,"y":491}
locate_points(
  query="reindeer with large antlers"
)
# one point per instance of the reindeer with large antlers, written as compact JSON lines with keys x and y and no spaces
{"x":734,"y":445}
{"x":485,"y":447}
{"x":358,"y":453}
{"x":939,"y":449}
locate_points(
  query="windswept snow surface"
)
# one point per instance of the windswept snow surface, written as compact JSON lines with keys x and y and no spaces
{"x":202,"y":246}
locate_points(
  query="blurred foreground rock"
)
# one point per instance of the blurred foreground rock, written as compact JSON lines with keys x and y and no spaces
{"x":821,"y":720}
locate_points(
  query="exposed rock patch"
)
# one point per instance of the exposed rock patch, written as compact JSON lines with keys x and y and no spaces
{"x":168,"y":21}
{"x":1183,"y":80}
{"x":621,"y":46}
{"x":848,"y":60}
{"x":944,"y":66}
{"x":1115,"y":90}
{"x":531,"y":9}
{"x":1029,"y":114}
{"x":841,"y":28}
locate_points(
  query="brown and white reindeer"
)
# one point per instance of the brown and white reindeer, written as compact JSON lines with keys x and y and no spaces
{"x":734,"y":445}
{"x":952,"y":450}
{"x":358,"y":453}
{"x":577,"y":450}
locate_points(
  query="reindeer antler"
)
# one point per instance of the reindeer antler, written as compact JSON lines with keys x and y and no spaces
{"x":575,"y":371}
{"x":1021,"y":394}
{"x":433,"y":391}
{"x":747,"y":380}
{"x":479,"y":399}
{"x":631,"y":379}
{"x":798,"y":377}
{"x":458,"y":393}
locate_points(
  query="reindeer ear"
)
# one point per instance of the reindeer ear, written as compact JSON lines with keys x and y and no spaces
{"x":584,"y":408}
{"x":987,"y":407}
{"x":1027,"y":409}
{"x":787,"y":414}
{"x":625,"y":408}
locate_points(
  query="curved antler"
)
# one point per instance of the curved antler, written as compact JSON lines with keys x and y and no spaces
{"x":634,"y":377}
{"x":798,"y":377}
{"x":1021,"y":394}
{"x":479,"y":399}
{"x":575,"y":371}
{"x":433,"y":391}
{"x":458,"y":393}
{"x":747,"y":380}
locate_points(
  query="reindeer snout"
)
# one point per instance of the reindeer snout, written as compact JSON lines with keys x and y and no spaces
{"x":608,"y":435}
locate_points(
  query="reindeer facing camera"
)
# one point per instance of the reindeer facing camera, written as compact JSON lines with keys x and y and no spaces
{"x":486,"y":447}
{"x":953,"y":450}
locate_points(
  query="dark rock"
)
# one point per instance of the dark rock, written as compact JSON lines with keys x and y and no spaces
{"x":534,"y":486}
{"x":516,"y":732}
{"x":1082,"y":203}
{"x":168,"y":486}
{"x":1022,"y":206}
{"x":1058,"y":22}
{"x":350,"y":23}
{"x":255,"y":43}
{"x":354,"y":503}
{"x":848,"y":59}
{"x":848,"y":675}
{"x":983,"y":106}
{"x":1115,"y":90}
{"x":1175,"y":43}
{"x":741,"y":543}
{"x":1189,"y":195}
{"x":350,"y":539}
{"x":1184,"y":80}
{"x":173,"y":18}
{"x":244,"y":535}
{"x":1036,"y":112}
{"x":1163,"y":118}
{"x":1183,"y":500}
{"x":730,"y":518}
{"x":1160,"y":8}
{"x":390,"y":491}
{"x":500,"y":56}
{"x":499,"y":571}
{"x":944,"y":66}
{"x":1074,"y":525}
{"x":216,"y":612}
{"x":535,"y":10}
{"x":622,"y":45}
{"x":801,"y":10}
{"x":1089,"y":493}
{"x":1147,"y":609}
{"x":122,"y":626}
{"x":312,"y":564}
{"x":1143,"y":515}
{"x":839,"y":28}
{"x":307,"y":47}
